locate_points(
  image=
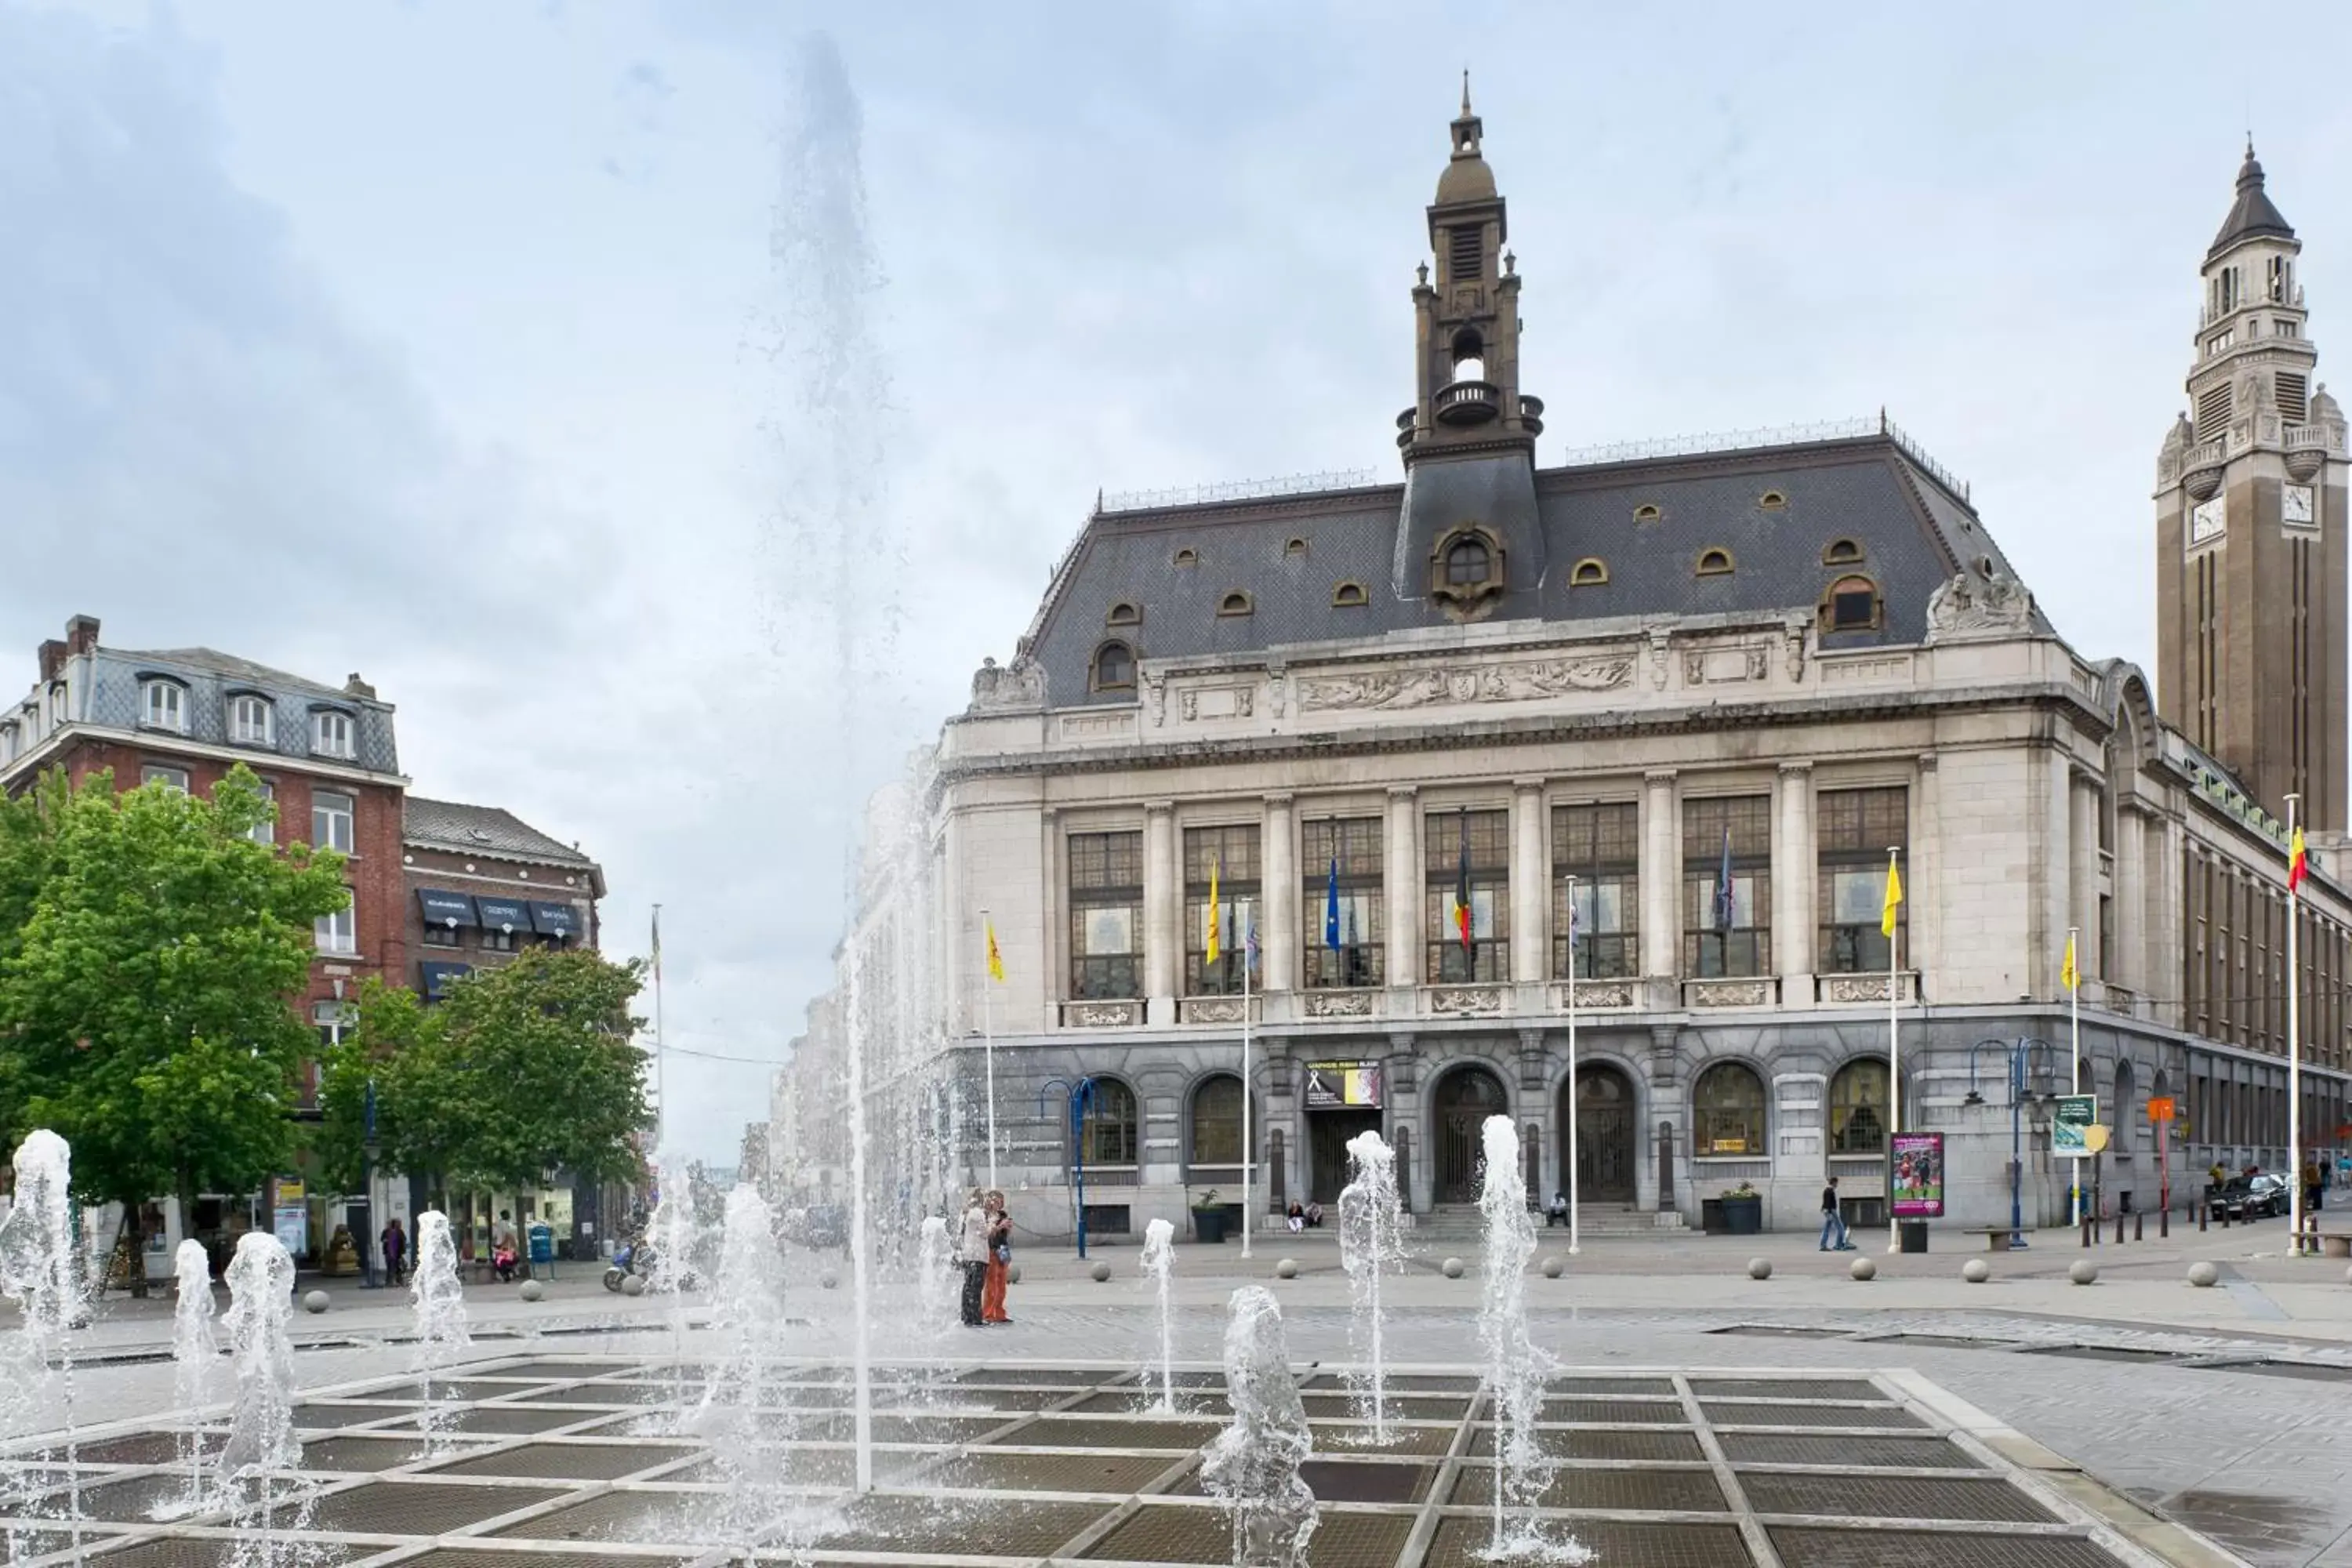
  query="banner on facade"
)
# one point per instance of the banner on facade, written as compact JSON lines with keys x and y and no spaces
{"x":1342,"y":1086}
{"x":2070,"y":1126}
{"x":1918,"y":1191}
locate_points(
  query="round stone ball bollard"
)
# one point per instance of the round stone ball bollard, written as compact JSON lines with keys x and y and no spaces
{"x":1759,"y":1268}
{"x":1451,"y":1268}
{"x":1976,"y":1271}
{"x":316,"y":1301}
{"x":1863,"y":1269}
{"x":1013,"y":1274}
{"x":2083,"y":1271}
{"x":533,"y":1291}
{"x":1288,"y":1268}
{"x":2204,"y":1276}
{"x":632,"y":1285}
{"x":1100,"y":1272}
{"x":1554,"y":1267}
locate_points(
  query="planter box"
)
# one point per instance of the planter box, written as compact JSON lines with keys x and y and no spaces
{"x":1743,"y":1216}
{"x":1209,"y":1225}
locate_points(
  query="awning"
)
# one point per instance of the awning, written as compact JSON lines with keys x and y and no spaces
{"x":504,"y":914}
{"x":445,"y":908}
{"x":560,"y":921}
{"x":437,"y":977}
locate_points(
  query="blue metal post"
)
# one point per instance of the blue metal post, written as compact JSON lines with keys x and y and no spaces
{"x":1081,"y":1096}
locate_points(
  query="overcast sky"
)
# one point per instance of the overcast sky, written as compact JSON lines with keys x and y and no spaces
{"x":469,"y":346}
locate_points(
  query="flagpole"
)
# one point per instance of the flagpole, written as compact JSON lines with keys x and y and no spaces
{"x":1248,"y":1148}
{"x":661,"y":1061}
{"x":988,"y":1038}
{"x":1575,"y":1188}
{"x":2294,"y":1057}
{"x":1894,"y":1056}
{"x":2075,"y":1035}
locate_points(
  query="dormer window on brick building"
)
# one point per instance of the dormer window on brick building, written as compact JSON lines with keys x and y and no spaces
{"x":252,"y":720}
{"x":163,"y":705}
{"x":332,"y":734}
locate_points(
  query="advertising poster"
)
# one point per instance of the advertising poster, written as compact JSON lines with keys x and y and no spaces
{"x":2071,"y":1123}
{"x":1918,"y":1175}
{"x":1342,"y":1086}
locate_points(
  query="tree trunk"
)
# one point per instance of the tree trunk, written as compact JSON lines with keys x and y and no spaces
{"x":133,"y":1246}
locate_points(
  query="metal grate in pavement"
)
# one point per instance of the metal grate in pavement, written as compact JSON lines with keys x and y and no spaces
{"x":1813,"y":1548}
{"x":1405,"y":1441}
{"x":512,"y":1420}
{"x":1407,"y":1407}
{"x":931,"y":1527}
{"x":1461,"y":1541}
{"x":1165,"y":1533}
{"x":1395,"y":1383}
{"x":1850,"y":1453}
{"x":684,"y":1517}
{"x":327,"y":1417}
{"x":1611,"y":1412}
{"x":1041,"y":1377}
{"x":1780,"y":1331}
{"x":991,"y":1469}
{"x":185,"y":1551}
{"x":479,"y":1557}
{"x":1345,"y":1481}
{"x":1784,"y":1388}
{"x":1097,"y":1432}
{"x":2103,"y":1352}
{"x":422,"y":1508}
{"x":1610,"y":1387}
{"x":1643,"y":1491}
{"x":562,"y":1369}
{"x":1893,"y":1497}
{"x":1558,"y":1442}
{"x":1722,"y":1415}
{"x":570,"y":1461}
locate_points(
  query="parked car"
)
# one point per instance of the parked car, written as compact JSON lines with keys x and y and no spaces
{"x":2269,"y":1195}
{"x":2233,"y":1198}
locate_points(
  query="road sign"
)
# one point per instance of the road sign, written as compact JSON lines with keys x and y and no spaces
{"x":2075,"y":1113}
{"x":2159,"y":1108}
{"x":2096,"y":1137}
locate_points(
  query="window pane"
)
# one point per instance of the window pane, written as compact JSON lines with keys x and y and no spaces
{"x":1217,"y":1122}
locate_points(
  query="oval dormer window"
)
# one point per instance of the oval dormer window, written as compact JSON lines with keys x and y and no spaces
{"x":1124,"y":614}
{"x":1842,"y":553}
{"x":1236,"y":603}
{"x":1715,"y":563}
{"x":1589,"y":572}
{"x":1350,"y":596}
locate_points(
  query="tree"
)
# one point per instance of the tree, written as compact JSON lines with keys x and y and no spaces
{"x":517,"y":1072}
{"x":148,"y":986}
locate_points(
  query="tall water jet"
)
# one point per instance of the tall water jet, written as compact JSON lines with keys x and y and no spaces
{"x":1514,"y":1368}
{"x":1371,"y":1244}
{"x":261,"y":1450}
{"x":674,"y":1232}
{"x":438,"y":1297}
{"x":936,"y":1281}
{"x":195,"y":1351}
{"x":40,"y":1271}
{"x":748,"y":1442}
{"x":1160,"y":1264}
{"x":1254,"y":1466}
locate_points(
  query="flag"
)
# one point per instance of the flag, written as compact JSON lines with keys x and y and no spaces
{"x":1462,"y":883}
{"x":1894,"y":899}
{"x":2296,"y":867}
{"x":1725,"y":910}
{"x":2070,"y":977}
{"x":1214,"y":931}
{"x":1331,"y":908}
{"x":1250,"y":945}
{"x":995,"y":958}
{"x":658,"y":944}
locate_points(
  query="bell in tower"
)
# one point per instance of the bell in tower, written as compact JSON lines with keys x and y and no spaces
{"x":1468,"y":537}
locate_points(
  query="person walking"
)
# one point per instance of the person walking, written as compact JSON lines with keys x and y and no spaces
{"x":394,"y":1242}
{"x":1000,"y":1261}
{"x":1833,"y":1232}
{"x":971,"y":1251}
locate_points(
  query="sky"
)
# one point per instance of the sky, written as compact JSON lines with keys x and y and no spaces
{"x":667,"y":403}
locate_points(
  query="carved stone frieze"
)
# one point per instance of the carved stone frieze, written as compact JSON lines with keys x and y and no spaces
{"x":1217,"y":702}
{"x":1466,"y":1001}
{"x":1155,"y":695}
{"x":1339,"y":1004}
{"x":1422,"y":688}
{"x":1835,"y":988}
{"x":1727,"y":993}
{"x":1717,"y":666}
{"x":1213,"y":1010}
{"x":1592,"y":995}
{"x":1102,"y":1015}
{"x":1970,"y":607}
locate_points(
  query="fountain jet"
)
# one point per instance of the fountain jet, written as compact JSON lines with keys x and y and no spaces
{"x":1254,"y":1465}
{"x":1371,"y":1244}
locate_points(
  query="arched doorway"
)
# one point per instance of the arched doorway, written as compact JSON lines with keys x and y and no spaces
{"x":1605,"y":1144}
{"x":1464,"y":1098}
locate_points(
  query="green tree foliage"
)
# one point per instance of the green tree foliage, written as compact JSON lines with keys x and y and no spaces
{"x":518,"y":1071}
{"x":149,"y":955}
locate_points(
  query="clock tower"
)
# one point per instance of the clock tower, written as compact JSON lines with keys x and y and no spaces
{"x":2250,"y":529}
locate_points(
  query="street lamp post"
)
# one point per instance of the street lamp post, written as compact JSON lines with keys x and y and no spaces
{"x":2019,"y":1052}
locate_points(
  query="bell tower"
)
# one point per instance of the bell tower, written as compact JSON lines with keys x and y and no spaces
{"x":2252,"y":529}
{"x":1468,"y":537}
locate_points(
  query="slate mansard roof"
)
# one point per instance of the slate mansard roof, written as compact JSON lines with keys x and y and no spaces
{"x":481,"y":830}
{"x":1915,"y":531}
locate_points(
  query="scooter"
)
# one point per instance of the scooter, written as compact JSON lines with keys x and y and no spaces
{"x":631,"y":1258}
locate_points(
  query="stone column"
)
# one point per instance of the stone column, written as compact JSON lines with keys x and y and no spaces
{"x":1278,"y":893}
{"x":2128,"y":966}
{"x":1530,"y":883}
{"x":1923,"y":871}
{"x":1401,"y":890}
{"x":1053,"y":929}
{"x":1795,"y":868}
{"x":2082,"y":875}
{"x":1661,"y":878}
{"x":1163,"y":910}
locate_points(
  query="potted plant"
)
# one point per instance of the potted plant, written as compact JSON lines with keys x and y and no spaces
{"x":1209,"y":1216}
{"x":1743,"y":1211}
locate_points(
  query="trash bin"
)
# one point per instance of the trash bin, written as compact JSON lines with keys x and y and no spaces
{"x":1914,"y":1235}
{"x":543,"y":1249}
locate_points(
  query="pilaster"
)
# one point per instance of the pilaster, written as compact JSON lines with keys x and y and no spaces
{"x":1279,"y":881}
{"x":1403,"y":888}
{"x":1528,"y":883}
{"x":1660,"y":879}
{"x":2083,"y":874}
{"x":1923,"y":876}
{"x":1163,"y":910}
{"x":1795,"y":867}
{"x":2129,"y":966}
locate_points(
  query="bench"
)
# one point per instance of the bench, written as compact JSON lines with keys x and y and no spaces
{"x":1997,"y":1237}
{"x":2332,"y":1243}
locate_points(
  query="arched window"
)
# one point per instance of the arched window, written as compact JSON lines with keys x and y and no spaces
{"x":1469,"y":356}
{"x":1851,"y":605}
{"x":1589,"y":572}
{"x":1772,"y":500}
{"x":1842,"y":553}
{"x":1647,"y":511}
{"x":1296,"y":547}
{"x":165,"y":706}
{"x":1216,"y":1141}
{"x":1467,"y":563}
{"x":1236,"y":603}
{"x":1715,"y":562}
{"x":1729,"y":1102}
{"x":1188,"y":557}
{"x":1349,"y":595}
{"x":1858,"y":1108}
{"x":1114,"y":667}
{"x":252,"y":720}
{"x":1124,"y":614}
{"x":1106,"y":1128}
{"x":2126,"y":1106}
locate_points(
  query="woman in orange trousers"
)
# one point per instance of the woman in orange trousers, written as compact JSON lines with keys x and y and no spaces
{"x":999,"y":1256}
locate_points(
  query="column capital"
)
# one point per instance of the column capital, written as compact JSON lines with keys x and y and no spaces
{"x":1158,"y":807}
{"x":1048,"y":813}
{"x":1281,"y":798}
{"x":1527,"y":786}
{"x":1928,"y":761}
{"x":1796,"y":769}
{"x":1655,"y":776}
{"x":1404,"y":792}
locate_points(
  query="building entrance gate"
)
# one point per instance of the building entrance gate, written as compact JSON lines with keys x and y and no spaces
{"x":1466,"y":1098}
{"x":1605,"y":1149}
{"x":1328,"y":1132}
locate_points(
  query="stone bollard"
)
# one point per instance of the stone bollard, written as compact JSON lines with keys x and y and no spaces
{"x":1759,"y":1268}
{"x":316,"y":1301}
{"x":2119,"y":1227}
{"x":632,"y":1285}
{"x":2083,"y":1271}
{"x":1976,"y":1271}
{"x":1553,"y":1267}
{"x":2086,"y":1230}
{"x":533,"y":1291}
{"x":2139,"y":1227}
{"x":2204,"y":1274}
{"x":1100,"y":1272}
{"x":2164,"y":1225}
{"x":1451,"y":1268}
{"x":1013,"y":1274}
{"x":1863,"y":1269}
{"x":1287,"y":1268}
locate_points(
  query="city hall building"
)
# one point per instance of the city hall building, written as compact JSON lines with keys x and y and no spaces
{"x":1707,"y":689}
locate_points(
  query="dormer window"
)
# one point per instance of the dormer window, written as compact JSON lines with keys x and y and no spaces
{"x":1772,"y":500}
{"x":1188,"y":557}
{"x":1715,"y":562}
{"x":1114,"y":667}
{"x":58,"y":703}
{"x":1466,"y":566}
{"x":332,"y":734}
{"x":1589,"y":573}
{"x":1296,"y":547}
{"x":1467,"y":563}
{"x":1842,"y":553}
{"x":1851,"y":605}
{"x":164,"y":705}
{"x":8,"y":742}
{"x":1350,"y":596}
{"x":1124,"y":614}
{"x":1647,"y":512}
{"x":1236,"y":603}
{"x":252,"y":720}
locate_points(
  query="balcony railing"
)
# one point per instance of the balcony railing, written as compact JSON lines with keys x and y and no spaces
{"x":1466,"y":403}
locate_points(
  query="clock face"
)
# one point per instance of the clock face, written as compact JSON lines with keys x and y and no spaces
{"x":2296,"y":500}
{"x":2205,"y":521}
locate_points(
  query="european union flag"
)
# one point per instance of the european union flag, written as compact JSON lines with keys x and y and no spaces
{"x":1331,"y":908}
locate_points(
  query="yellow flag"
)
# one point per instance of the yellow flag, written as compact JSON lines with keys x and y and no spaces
{"x":995,"y":958}
{"x":1214,"y":931}
{"x":2070,"y":976}
{"x":1894,"y":899}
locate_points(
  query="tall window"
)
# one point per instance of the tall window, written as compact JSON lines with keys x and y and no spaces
{"x":170,"y":778}
{"x":338,"y":932}
{"x":1600,"y":846}
{"x":1489,"y":955}
{"x":331,"y":821}
{"x":265,"y":831}
{"x":1858,"y":1108}
{"x":1106,"y":1130}
{"x":1352,"y":847}
{"x":167,"y":706}
{"x":330,"y":734}
{"x":1727,"y":919}
{"x":1231,"y":854}
{"x":1857,"y":826}
{"x":1217,"y":1123}
{"x":1729,"y":1102}
{"x":1106,"y":914}
{"x":252,"y":720}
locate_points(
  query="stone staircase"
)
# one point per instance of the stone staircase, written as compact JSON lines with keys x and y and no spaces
{"x":1462,"y":1223}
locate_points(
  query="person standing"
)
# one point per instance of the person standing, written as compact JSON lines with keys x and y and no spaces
{"x":1833,"y":1232}
{"x":971,"y":1251}
{"x":396,"y":1250}
{"x":1000,"y":1262}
